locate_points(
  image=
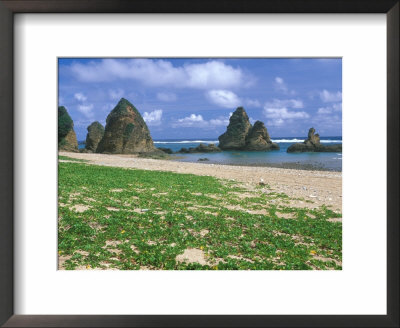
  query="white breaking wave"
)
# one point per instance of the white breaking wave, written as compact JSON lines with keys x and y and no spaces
{"x":287,"y":140}
{"x":185,"y":141}
{"x":301,"y":140}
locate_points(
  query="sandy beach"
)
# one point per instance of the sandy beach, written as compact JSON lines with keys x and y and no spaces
{"x":314,"y":188}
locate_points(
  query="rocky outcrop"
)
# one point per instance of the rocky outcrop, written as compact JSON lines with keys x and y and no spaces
{"x":126,"y":132}
{"x":94,"y":136}
{"x":312,"y":139}
{"x":235,"y":136}
{"x":241,"y":135}
{"x":165,"y":150}
{"x":66,"y":135}
{"x":313,"y":144}
{"x":258,"y":138}
{"x":202,"y":148}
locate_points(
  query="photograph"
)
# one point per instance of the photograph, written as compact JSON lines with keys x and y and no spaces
{"x":199,"y":163}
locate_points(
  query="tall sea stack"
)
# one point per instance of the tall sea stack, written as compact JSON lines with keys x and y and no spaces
{"x":258,"y":138}
{"x":240,"y":135}
{"x":66,"y":135}
{"x":235,"y":136}
{"x":94,"y":136}
{"x":126,"y":132}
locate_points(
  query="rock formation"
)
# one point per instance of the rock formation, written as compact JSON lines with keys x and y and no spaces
{"x":313,"y":144}
{"x":126,"y":132}
{"x":94,"y":136}
{"x":165,"y":150}
{"x":202,"y":148}
{"x":258,"y":138}
{"x":235,"y":136}
{"x":312,"y":139}
{"x":66,"y":135}
{"x":240,"y":135}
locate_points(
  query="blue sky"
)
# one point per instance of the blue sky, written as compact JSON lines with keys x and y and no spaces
{"x":193,"y":98}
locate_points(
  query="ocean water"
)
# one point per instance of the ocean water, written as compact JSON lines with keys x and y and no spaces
{"x":275,"y":158}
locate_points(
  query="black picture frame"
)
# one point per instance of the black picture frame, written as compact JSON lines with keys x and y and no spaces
{"x":10,"y":7}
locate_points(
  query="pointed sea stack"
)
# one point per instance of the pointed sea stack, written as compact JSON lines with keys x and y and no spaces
{"x":235,"y":136}
{"x":126,"y":132}
{"x":258,"y":138}
{"x":94,"y":136}
{"x":241,"y":135}
{"x":313,"y":144}
{"x":66,"y":135}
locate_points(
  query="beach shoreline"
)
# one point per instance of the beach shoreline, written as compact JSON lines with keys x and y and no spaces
{"x":313,"y":188}
{"x":284,"y":165}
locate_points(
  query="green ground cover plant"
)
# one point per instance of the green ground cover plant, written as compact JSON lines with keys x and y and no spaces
{"x":129,"y":219}
{"x":66,"y":158}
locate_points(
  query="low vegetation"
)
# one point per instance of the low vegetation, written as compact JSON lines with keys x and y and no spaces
{"x":128,"y":219}
{"x":67,"y":158}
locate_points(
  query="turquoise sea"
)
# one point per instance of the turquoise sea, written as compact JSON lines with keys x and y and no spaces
{"x":276,"y":158}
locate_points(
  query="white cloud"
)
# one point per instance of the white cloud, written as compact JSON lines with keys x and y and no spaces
{"x":281,"y":86}
{"x":324,"y":110}
{"x":214,"y":74}
{"x":337,"y":107}
{"x":199,"y":122}
{"x":276,"y":122}
{"x":153,"y":118}
{"x":80,"y":96}
{"x":283,"y":113}
{"x":191,"y":120}
{"x":219,"y":122}
{"x":224,"y":98}
{"x":209,"y":75}
{"x":252,"y":103}
{"x":86,"y":110}
{"x":278,"y":113}
{"x":327,"y":96}
{"x":116,"y":94}
{"x":228,"y":99}
{"x":279,"y":103}
{"x":330,"y":109}
{"x":166,"y":96}
{"x":252,"y":120}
